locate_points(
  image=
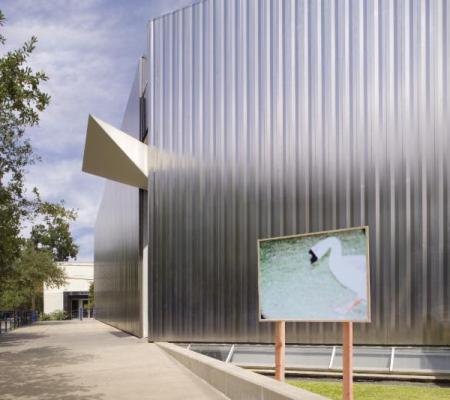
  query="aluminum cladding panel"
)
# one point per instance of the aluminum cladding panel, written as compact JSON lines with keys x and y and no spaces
{"x":284,"y":117}
{"x":117,"y":254}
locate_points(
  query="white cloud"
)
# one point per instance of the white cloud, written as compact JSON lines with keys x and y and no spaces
{"x":83,"y":193}
{"x":86,"y":243}
{"x":89,"y":49}
{"x":90,"y":65}
{"x":63,"y":180}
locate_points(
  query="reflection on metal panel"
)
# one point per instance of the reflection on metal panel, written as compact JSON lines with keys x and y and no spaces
{"x":299,"y":116}
{"x":421,"y":361}
{"x":434,"y":359}
{"x":117,"y":254}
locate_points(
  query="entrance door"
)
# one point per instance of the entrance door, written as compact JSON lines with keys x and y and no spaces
{"x":74,"y":309}
{"x":74,"y":302}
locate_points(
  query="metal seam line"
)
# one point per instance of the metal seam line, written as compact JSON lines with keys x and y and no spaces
{"x":391,"y":364}
{"x":333,"y":353}
{"x":230,"y":354}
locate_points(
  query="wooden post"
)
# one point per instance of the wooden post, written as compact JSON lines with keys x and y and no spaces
{"x":280,"y":345}
{"x":347,"y":360}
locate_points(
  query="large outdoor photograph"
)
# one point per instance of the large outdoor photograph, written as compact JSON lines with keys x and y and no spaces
{"x":315,"y":277}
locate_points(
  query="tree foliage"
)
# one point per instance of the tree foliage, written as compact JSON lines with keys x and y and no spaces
{"x":22,"y":99}
{"x":91,"y":299}
{"x":31,"y":270}
{"x":54,"y":233}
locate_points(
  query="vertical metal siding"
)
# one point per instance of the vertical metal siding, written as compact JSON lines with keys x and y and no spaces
{"x":284,"y":117}
{"x":117,"y":247}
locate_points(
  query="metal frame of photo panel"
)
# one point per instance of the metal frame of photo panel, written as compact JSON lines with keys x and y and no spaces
{"x":364,"y":228}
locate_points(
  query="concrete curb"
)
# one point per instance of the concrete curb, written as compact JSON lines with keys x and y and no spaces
{"x":235,"y":382}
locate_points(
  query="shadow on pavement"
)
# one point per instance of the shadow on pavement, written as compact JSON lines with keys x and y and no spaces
{"x":30,"y":373}
{"x":120,"y":334}
{"x":10,"y":339}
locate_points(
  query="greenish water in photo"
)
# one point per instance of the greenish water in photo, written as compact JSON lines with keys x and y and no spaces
{"x":291,"y":288}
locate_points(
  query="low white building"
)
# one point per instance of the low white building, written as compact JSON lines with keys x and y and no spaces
{"x":73,"y":296}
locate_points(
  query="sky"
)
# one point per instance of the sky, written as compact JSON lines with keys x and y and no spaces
{"x":90,"y":50}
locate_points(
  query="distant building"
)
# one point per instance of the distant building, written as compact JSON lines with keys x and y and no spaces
{"x":74,"y":295}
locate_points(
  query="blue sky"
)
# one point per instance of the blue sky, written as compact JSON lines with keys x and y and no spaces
{"x":89,"y":49}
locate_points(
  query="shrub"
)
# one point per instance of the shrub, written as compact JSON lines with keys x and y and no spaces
{"x":45,"y":317}
{"x":57,"y":315}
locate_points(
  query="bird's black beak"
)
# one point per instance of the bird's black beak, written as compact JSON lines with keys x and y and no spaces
{"x":313,"y":258}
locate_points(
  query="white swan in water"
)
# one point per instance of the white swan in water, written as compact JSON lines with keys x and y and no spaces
{"x":350,"y":270}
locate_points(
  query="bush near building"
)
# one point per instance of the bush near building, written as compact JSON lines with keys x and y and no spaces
{"x":57,"y":315}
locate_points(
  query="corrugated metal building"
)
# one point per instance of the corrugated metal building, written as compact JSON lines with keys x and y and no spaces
{"x":117,"y":258}
{"x":269,"y":118}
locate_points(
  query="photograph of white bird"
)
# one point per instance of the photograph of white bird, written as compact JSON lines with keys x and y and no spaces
{"x":349,"y":270}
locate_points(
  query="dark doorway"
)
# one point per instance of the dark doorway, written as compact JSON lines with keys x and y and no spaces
{"x":76,"y":302}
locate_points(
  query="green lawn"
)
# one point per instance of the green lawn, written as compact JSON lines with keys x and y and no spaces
{"x":374,"y":391}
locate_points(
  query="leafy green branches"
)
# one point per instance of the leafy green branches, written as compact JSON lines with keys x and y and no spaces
{"x":91,"y":301}
{"x":25,"y":264}
{"x":54,"y":233}
{"x":21,"y":101}
{"x":2,"y":22}
{"x":31,"y":270}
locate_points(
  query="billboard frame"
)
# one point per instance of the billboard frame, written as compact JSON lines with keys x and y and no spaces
{"x":364,"y":228}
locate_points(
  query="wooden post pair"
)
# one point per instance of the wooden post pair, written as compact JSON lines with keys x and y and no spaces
{"x":347,"y":353}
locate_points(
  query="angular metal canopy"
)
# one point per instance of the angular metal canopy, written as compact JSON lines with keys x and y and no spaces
{"x":115,"y":155}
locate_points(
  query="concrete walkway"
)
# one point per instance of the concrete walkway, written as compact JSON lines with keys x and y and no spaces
{"x":71,"y":360}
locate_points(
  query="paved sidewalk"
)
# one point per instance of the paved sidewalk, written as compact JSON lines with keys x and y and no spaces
{"x":72,"y":360}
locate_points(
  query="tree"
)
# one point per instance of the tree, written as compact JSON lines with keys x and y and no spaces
{"x":32,"y":269}
{"x":91,"y":299}
{"x":54,"y":233}
{"x":25,"y":264}
{"x":21,"y":101}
